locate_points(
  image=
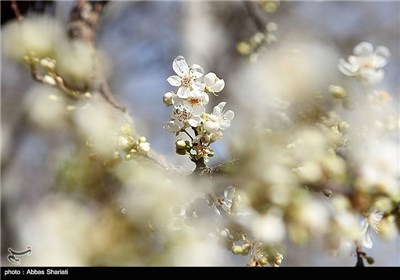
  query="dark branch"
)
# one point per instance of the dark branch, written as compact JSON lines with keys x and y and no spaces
{"x":360,"y":256}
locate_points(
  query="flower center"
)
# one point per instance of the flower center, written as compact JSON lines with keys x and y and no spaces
{"x":193,"y":101}
{"x":186,"y":81}
{"x":183,"y":115}
{"x":367,"y":63}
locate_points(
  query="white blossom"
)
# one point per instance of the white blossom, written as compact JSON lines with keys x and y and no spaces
{"x":194,"y":102}
{"x":186,"y":77}
{"x":213,"y":83}
{"x":366,"y":62}
{"x":183,"y":116}
{"x":370,"y":223}
{"x":229,"y":194}
{"x":218,"y":120}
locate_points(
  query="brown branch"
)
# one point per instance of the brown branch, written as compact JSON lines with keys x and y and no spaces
{"x":15,"y":8}
{"x":201,"y":167}
{"x":83,"y":24}
{"x":251,"y":10}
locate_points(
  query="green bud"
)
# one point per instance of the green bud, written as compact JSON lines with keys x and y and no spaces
{"x":181,"y":151}
{"x":237,"y":249}
{"x":244,"y":48}
{"x":370,"y":260}
{"x":327,"y":192}
{"x":337,"y":92}
{"x":180,"y":144}
{"x":128,"y":156}
{"x":211,"y":153}
{"x":142,"y":139}
{"x":263,"y":261}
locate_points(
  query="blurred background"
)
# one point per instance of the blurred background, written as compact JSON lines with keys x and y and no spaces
{"x":140,"y":39}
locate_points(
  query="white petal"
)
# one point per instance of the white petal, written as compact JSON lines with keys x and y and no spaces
{"x":173,"y":126}
{"x":210,"y":79}
{"x":218,"y":109}
{"x":174,"y":81}
{"x":206,"y":99}
{"x":211,"y":126}
{"x":229,"y":193}
{"x":226,"y":205}
{"x":382,"y":55}
{"x":197,"y":71}
{"x":180,"y":66}
{"x":198,"y":110}
{"x":177,"y":101}
{"x":223,"y":124}
{"x":346,"y":68}
{"x":229,"y":115}
{"x":218,"y":86}
{"x":183,"y":92}
{"x":366,"y":240}
{"x":193,"y":123}
{"x":198,"y":86}
{"x":363,"y":49}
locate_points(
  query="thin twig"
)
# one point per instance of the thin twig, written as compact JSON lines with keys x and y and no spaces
{"x":15,"y":8}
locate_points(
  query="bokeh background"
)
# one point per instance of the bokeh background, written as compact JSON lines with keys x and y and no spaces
{"x":140,"y":41}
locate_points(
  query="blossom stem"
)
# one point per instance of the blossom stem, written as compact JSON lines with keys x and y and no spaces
{"x":187,"y":133}
{"x":360,"y":256}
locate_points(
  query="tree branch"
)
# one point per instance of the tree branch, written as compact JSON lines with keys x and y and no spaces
{"x":254,"y":15}
{"x":360,"y":256}
{"x":83,"y":24}
{"x":15,"y":8}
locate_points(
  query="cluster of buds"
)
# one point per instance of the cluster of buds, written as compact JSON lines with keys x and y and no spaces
{"x":44,"y":69}
{"x":128,"y":146}
{"x":189,"y":112}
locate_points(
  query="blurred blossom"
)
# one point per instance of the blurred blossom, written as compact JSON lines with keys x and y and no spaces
{"x":41,"y":35}
{"x":366,"y":63}
{"x":46,"y":106}
{"x":378,"y":167}
{"x":269,"y":227}
{"x":98,"y":122}
{"x":80,"y":75}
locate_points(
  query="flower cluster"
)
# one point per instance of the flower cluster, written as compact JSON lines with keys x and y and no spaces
{"x":189,"y":111}
{"x":366,"y":63}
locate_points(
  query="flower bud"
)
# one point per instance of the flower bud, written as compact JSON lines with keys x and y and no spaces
{"x":181,"y":151}
{"x":168,"y":98}
{"x":337,"y":91}
{"x":49,"y":80}
{"x":47,"y":63}
{"x":343,"y":126}
{"x":237,"y":250}
{"x":180,"y":144}
{"x":144,"y":148}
